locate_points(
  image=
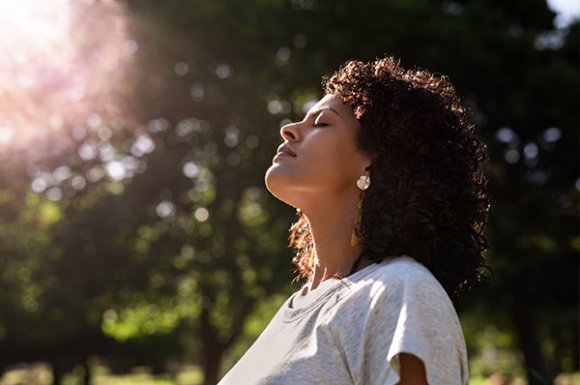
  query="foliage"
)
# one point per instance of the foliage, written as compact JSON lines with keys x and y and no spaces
{"x":165,"y":244}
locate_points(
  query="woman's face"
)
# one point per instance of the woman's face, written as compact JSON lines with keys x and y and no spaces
{"x":319,"y":159}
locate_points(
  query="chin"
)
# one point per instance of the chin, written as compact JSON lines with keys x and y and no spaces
{"x":278,"y":184}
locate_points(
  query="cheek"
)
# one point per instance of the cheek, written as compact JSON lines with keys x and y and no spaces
{"x":334,"y":164}
{"x":340,"y":154}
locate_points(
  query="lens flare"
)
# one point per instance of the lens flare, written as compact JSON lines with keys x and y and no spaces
{"x":62,"y":62}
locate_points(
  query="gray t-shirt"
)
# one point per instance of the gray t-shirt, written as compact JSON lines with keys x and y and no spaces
{"x":351,"y":331}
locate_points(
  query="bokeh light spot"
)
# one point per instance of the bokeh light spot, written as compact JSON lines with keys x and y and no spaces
{"x":252,"y":141}
{"x":165,"y":209}
{"x":197,"y":92}
{"x":512,"y":156}
{"x":190,"y":170}
{"x":201,"y":214}
{"x":283,"y":54}
{"x":115,"y":170}
{"x":531,"y":150}
{"x":552,"y":134}
{"x":181,"y":69}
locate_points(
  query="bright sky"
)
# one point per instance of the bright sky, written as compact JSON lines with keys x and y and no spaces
{"x":567,"y":10}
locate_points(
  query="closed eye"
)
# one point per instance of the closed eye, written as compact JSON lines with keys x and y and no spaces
{"x":320,"y":124}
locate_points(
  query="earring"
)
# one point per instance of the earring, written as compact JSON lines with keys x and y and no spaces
{"x":355,"y":240}
{"x":312,"y":259}
{"x":363,"y":183}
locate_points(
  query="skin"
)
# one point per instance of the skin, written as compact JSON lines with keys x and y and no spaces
{"x":320,"y":180}
{"x":412,"y":370}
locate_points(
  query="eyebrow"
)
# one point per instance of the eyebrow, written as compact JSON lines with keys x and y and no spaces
{"x":319,"y":111}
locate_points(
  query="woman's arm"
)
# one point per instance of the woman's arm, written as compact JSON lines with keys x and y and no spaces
{"x":412,"y":370}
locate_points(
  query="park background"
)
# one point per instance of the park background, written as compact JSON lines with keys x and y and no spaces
{"x":138,"y":244}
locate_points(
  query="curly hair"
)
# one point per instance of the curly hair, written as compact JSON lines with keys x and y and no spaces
{"x":428,"y":198}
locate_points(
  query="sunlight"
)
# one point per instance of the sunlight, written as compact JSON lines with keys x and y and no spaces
{"x":62,"y":61}
{"x":567,"y":11}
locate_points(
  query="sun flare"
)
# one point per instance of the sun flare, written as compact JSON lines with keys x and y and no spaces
{"x":61,"y":62}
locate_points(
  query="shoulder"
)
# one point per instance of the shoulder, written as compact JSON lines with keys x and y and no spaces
{"x":402,"y":300}
{"x":401,"y":268}
{"x":396,"y":284}
{"x":400,"y":307}
{"x":401,"y":276}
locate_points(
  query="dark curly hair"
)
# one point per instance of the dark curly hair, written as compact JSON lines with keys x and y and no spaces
{"x":428,"y":196}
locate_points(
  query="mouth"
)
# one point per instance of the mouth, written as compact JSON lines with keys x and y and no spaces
{"x":286,"y":150}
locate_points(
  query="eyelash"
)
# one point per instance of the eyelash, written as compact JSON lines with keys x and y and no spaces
{"x":320,"y":124}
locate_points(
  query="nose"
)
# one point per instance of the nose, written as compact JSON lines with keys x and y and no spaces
{"x":290,"y":132}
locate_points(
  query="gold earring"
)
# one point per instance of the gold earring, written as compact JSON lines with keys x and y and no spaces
{"x":363,"y":183}
{"x":355,"y":240}
{"x":312,"y":259}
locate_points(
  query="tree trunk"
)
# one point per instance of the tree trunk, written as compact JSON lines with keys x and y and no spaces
{"x":535,"y":366}
{"x":213,"y":350}
{"x":57,"y":372}
{"x":212,"y":364}
{"x":215,"y":347}
{"x":87,"y":378}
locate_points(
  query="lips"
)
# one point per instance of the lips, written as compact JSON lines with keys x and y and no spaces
{"x":286,"y":150}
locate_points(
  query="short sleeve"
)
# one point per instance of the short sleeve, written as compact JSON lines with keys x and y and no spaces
{"x":402,"y":310}
{"x":425,"y":325}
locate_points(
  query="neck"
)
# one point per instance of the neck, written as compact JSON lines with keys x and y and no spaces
{"x":331,"y":226}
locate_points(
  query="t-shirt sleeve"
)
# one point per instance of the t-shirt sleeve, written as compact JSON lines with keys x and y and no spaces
{"x":425,"y":325}
{"x":409,"y":314}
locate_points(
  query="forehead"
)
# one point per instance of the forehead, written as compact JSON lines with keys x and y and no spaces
{"x":335,"y":103}
{"x":330,"y":101}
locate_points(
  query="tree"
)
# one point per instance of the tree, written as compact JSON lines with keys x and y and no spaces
{"x":178,"y":234}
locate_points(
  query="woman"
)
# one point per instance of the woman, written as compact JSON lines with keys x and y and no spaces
{"x":386,"y":173}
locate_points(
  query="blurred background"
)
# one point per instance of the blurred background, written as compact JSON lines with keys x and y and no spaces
{"x":138,"y":244}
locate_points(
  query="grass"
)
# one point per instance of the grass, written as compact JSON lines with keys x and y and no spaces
{"x":39,"y":374}
{"x":187,"y":376}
